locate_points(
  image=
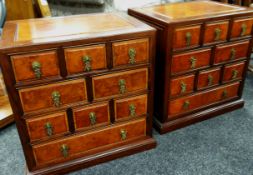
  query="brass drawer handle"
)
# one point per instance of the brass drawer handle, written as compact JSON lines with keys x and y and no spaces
{"x":183,"y":87}
{"x":188,"y":37}
{"x":65,"y":150}
{"x":234,"y":74}
{"x":36,"y":66}
{"x":93,"y":118}
{"x":193,"y":61}
{"x":210,"y":80}
{"x":132,"y":110}
{"x":123,"y":134}
{"x":122,"y":86}
{"x":132,"y":54}
{"x":56,"y":97}
{"x":217,"y":34}
{"x":232,"y":54}
{"x":186,"y":104}
{"x":225,"y":94}
{"x":49,"y":129}
{"x":87,"y":63}
{"x":243,"y":29}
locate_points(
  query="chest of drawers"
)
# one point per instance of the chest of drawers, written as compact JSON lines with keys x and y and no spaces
{"x":203,"y":51}
{"x":81,"y":88}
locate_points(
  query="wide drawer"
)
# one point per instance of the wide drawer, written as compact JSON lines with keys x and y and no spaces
{"x":53,"y":95}
{"x":75,"y":146}
{"x":241,"y":27}
{"x":182,"y":85}
{"x":208,"y":78}
{"x":47,"y":126}
{"x":91,"y":116}
{"x":35,"y":66}
{"x":230,"y":52}
{"x":233,"y":71}
{"x":186,"y":37}
{"x":120,"y":83}
{"x":190,"y":60}
{"x":130,"y":107}
{"x":196,"y":101}
{"x":85,"y":59}
{"x":130,"y":52}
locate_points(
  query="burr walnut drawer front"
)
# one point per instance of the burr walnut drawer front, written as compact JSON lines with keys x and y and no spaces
{"x":233,"y":71}
{"x":241,"y":27}
{"x":208,"y":78}
{"x":186,"y":37}
{"x":120,"y":83}
{"x":35,"y":66}
{"x":182,"y":85}
{"x":196,"y":101}
{"x":190,"y":60}
{"x":130,"y":52}
{"x":85,"y":59}
{"x":215,"y":32}
{"x":47,"y":126}
{"x":75,"y":146}
{"x":91,"y":116}
{"x":130,"y":107}
{"x":53,"y":95}
{"x":230,"y":52}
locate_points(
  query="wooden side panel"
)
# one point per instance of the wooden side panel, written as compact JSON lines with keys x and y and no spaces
{"x":51,"y":152}
{"x":237,"y":27}
{"x":233,"y":71}
{"x":208,"y":78}
{"x":121,"y":52}
{"x":22,"y":65}
{"x":41,"y":97}
{"x":215,"y":32}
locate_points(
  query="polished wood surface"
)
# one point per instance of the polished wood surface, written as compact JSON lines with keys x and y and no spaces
{"x":211,"y":30}
{"x":6,"y":114}
{"x":233,"y":71}
{"x":209,"y":77}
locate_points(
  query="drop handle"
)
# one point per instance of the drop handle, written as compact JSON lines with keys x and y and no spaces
{"x":186,"y":104}
{"x":132,"y":110}
{"x":188,"y":37}
{"x":243,"y":29}
{"x":87,"y":63}
{"x":225,"y":94}
{"x":49,"y":129}
{"x":193,"y":61}
{"x":183,"y":87}
{"x":64,"y":150}
{"x":217,"y":34}
{"x":122,"y":86}
{"x":93,"y":118}
{"x":132,"y":55}
{"x":56,"y":98}
{"x":234,"y":74}
{"x":210,"y":80}
{"x":232,"y":54}
{"x":36,"y":66}
{"x":123,"y":134}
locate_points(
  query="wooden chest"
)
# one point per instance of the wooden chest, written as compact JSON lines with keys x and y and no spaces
{"x":203,"y":51}
{"x":81,"y":88}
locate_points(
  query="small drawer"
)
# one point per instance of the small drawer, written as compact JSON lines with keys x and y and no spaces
{"x":35,"y":66}
{"x":130,"y":107}
{"x":47,"y":126}
{"x":190,"y":61}
{"x":130,"y":52}
{"x":241,"y":27}
{"x":233,"y":72}
{"x":203,"y":99}
{"x":230,"y":52}
{"x":91,"y":116}
{"x":75,"y":146}
{"x":53,"y":95}
{"x":208,"y":78}
{"x":186,"y":37}
{"x":85,"y":59}
{"x":120,"y":83}
{"x":182,"y":85}
{"x":216,"y":32}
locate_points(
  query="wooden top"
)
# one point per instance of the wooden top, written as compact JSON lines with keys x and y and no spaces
{"x":48,"y":30}
{"x":188,"y":10}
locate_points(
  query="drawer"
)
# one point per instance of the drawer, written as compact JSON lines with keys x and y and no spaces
{"x":231,"y":52}
{"x":190,"y":60}
{"x":47,"y":126}
{"x":208,"y":78}
{"x":233,"y":71}
{"x":186,"y":104}
{"x":75,"y":146}
{"x":35,"y":66}
{"x":182,"y":85}
{"x":130,"y":52}
{"x":120,"y":83}
{"x":241,"y":27}
{"x":130,"y":107}
{"x":85,"y":59}
{"x":53,"y":95}
{"x":91,"y":116}
{"x":186,"y":37}
{"x":216,"y":32}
